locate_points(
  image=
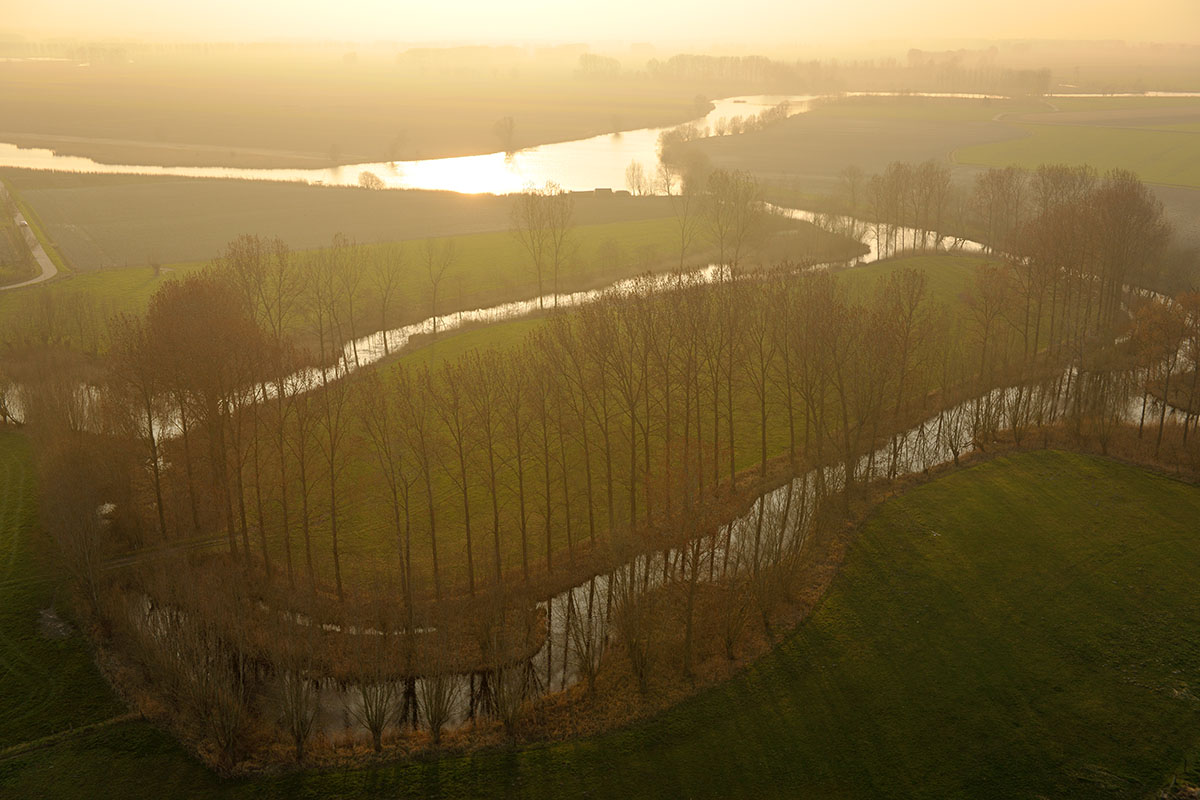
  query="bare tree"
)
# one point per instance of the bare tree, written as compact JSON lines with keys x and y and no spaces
{"x":298,"y":695}
{"x":415,"y":395}
{"x":376,"y":693}
{"x":541,"y":221}
{"x":452,"y":409}
{"x":132,"y":362}
{"x":389,"y":266}
{"x":635,"y":179}
{"x":439,"y":256}
{"x":851,"y":180}
{"x":733,"y":214}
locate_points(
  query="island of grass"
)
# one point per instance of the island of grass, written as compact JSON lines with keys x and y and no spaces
{"x":1026,"y":627}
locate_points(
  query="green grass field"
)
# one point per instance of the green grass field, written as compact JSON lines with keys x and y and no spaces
{"x":117,"y":221}
{"x":46,"y":685}
{"x":1157,"y":156}
{"x":489,"y":268}
{"x":1024,"y":628}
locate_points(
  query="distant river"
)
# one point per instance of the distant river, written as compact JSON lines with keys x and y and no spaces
{"x":580,"y":165}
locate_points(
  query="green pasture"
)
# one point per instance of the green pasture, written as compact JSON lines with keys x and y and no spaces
{"x":1029,"y":627}
{"x":1156,"y":156}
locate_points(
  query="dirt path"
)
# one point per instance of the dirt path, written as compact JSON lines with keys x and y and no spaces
{"x":48,"y":270}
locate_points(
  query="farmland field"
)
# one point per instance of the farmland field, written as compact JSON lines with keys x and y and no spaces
{"x":1169,"y":157}
{"x":107,"y":221}
{"x":1155,"y":137}
{"x":317,"y":107}
{"x":815,"y":147}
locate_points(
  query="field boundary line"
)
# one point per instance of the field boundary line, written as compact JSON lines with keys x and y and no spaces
{"x":59,"y":737}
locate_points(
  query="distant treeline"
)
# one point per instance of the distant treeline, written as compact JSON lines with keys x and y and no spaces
{"x":758,"y":72}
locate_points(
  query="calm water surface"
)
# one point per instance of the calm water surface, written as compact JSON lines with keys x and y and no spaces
{"x":580,"y":165}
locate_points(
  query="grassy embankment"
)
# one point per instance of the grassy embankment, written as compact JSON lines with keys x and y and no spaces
{"x":1026,"y":627}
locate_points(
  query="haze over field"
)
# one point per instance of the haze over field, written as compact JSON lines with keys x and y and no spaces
{"x":699,"y":21}
{"x":640,"y":399}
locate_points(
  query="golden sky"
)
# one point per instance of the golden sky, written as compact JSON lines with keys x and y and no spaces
{"x":699,"y":21}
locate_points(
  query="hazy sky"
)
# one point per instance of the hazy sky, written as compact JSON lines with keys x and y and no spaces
{"x":710,"y":21}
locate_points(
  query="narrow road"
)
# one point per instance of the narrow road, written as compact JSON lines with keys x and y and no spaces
{"x":48,"y":270}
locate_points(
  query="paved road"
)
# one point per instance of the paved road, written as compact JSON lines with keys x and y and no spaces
{"x":48,"y":270}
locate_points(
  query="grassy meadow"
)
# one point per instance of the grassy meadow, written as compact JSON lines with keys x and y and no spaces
{"x":47,"y":680}
{"x":1025,"y":627}
{"x":915,"y":108}
{"x":869,"y":132}
{"x":800,"y":160}
{"x":117,"y":221}
{"x":1168,"y":156}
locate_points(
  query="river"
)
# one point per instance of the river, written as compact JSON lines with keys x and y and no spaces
{"x":580,"y":165}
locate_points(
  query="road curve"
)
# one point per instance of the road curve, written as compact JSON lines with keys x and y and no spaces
{"x":48,"y":270}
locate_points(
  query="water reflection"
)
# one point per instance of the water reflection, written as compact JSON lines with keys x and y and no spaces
{"x":580,"y":165}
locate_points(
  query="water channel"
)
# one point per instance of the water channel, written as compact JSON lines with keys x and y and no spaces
{"x":577,"y":620}
{"x":580,"y":165}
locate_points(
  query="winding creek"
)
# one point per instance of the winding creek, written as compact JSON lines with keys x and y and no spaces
{"x":578,"y":619}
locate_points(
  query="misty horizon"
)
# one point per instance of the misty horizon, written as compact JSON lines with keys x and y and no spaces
{"x":705,"y":23}
{"x":649,"y":400}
